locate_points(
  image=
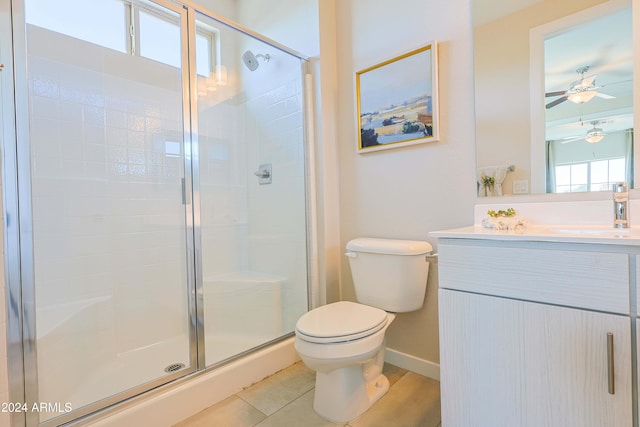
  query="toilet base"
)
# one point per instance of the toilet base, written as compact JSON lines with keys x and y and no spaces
{"x":349,"y":375}
{"x":343,"y":394}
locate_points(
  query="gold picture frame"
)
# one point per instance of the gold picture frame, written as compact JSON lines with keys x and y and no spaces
{"x":397,"y":101}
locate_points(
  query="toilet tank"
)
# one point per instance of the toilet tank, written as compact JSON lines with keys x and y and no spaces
{"x":389,"y":274}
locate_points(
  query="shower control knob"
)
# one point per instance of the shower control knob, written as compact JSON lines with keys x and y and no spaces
{"x":264,"y":173}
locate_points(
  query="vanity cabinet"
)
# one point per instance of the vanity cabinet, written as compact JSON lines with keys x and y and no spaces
{"x":527,"y":331}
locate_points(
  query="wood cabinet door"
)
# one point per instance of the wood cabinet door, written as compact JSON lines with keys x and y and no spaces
{"x":507,"y":363}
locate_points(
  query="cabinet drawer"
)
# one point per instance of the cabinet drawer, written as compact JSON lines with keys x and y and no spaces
{"x":585,"y":279}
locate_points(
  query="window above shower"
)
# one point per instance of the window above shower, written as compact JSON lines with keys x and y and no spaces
{"x":137,"y":28}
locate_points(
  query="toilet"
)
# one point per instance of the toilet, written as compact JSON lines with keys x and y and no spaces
{"x":344,"y":341}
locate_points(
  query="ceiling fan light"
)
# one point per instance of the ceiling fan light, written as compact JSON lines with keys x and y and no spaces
{"x":582,"y":97}
{"x":593,"y":139}
{"x":594,"y":135}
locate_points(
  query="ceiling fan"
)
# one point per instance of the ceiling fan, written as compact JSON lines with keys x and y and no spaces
{"x":594,"y":135}
{"x":580,"y":91}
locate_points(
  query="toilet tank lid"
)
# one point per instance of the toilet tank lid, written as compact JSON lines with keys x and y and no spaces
{"x":389,"y":246}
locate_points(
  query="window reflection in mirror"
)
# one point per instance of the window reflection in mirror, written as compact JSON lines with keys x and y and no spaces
{"x":574,"y":173}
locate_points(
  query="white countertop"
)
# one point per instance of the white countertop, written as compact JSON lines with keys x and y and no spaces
{"x":595,"y":234}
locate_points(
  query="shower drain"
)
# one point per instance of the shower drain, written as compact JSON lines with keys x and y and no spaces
{"x":174,"y":367}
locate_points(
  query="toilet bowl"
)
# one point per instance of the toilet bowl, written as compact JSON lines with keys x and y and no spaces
{"x":348,"y":365}
{"x":344,"y":341}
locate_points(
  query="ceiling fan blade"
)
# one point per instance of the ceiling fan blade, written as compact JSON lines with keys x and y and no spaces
{"x":556,"y":102}
{"x":572,"y":139}
{"x":604,"y":96}
{"x":615,"y":83}
{"x":557,"y":93}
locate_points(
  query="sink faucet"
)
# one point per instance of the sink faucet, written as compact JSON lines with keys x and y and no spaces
{"x":620,"y":205}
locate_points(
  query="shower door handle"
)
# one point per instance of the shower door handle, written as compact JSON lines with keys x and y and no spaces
{"x":186,"y":192}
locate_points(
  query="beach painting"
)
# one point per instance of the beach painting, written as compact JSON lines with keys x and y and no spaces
{"x":397,"y":101}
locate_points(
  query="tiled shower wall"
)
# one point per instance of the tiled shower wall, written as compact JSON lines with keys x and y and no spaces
{"x":223,"y":188}
{"x":256,"y":118}
{"x":247,"y":226}
{"x":234,"y":140}
{"x":277,"y":234}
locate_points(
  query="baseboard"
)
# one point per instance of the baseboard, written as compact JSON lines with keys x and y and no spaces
{"x":412,"y":363}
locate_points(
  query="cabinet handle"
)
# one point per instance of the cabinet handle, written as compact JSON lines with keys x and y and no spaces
{"x":610,"y":365}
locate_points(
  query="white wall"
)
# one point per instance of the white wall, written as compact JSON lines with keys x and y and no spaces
{"x":407,"y":192}
{"x":226,"y":8}
{"x":293,"y":23}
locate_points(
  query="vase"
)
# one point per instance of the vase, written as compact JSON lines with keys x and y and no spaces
{"x":488,"y":189}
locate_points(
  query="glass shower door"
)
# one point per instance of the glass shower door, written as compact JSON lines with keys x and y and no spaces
{"x":251,"y":191}
{"x":111,"y":222}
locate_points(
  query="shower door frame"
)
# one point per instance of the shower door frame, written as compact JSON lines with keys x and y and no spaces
{"x":18,"y":249}
{"x":22,"y":210}
{"x":16,"y":375}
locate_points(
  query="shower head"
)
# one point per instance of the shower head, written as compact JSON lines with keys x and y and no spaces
{"x":251,"y":60}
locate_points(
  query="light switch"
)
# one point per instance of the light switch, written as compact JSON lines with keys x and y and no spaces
{"x":521,"y":187}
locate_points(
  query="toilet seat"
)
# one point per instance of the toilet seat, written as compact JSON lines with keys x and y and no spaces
{"x":340,"y":321}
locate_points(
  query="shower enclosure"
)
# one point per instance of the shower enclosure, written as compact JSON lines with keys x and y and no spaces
{"x":160,"y":198}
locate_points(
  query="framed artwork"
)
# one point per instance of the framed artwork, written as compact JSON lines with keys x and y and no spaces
{"x":397,"y":101}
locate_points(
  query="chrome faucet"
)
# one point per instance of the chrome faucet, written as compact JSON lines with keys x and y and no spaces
{"x":620,"y":205}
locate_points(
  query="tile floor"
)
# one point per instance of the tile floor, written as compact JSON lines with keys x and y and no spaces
{"x":285,"y":399}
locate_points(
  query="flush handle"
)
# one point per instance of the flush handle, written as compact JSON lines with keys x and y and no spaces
{"x":351,"y":254}
{"x":610,"y":365}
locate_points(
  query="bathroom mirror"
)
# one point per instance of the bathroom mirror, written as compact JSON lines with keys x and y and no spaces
{"x":553,"y":94}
